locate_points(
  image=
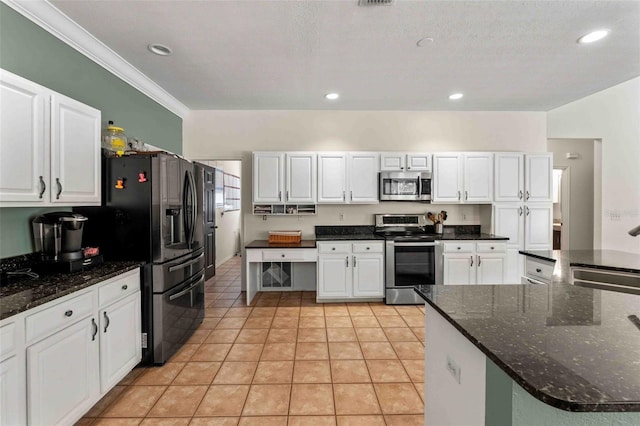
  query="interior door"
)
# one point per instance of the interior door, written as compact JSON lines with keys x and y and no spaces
{"x":209,"y":216}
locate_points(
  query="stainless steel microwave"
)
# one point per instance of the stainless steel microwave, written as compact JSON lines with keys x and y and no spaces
{"x":405,"y":186}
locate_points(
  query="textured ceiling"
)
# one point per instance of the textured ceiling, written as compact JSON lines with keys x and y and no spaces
{"x":504,"y":55}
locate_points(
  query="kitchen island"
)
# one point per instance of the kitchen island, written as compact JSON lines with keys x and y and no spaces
{"x":531,"y":354}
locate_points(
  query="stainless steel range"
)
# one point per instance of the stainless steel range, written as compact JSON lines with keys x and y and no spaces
{"x":410,"y":256}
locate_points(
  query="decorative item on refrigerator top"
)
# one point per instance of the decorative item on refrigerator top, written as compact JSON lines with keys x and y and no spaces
{"x":114,"y":139}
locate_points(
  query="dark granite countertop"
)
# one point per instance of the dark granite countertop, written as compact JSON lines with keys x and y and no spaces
{"x":571,"y":347}
{"x":31,"y":292}
{"x":612,"y":260}
{"x":344,"y":233}
{"x":264,"y":244}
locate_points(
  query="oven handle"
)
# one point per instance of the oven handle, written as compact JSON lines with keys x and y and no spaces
{"x":414,"y":244}
{"x":184,"y":265}
{"x":187,"y":290}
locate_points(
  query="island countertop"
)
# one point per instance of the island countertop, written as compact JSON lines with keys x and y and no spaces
{"x":612,"y":260}
{"x":571,"y":347}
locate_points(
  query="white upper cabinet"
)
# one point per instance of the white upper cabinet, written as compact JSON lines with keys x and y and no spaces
{"x":463,"y":177}
{"x":332,"y":177}
{"x":538,"y":177}
{"x":50,"y":152}
{"x":348,"y":177}
{"x":301,"y":177}
{"x":75,"y":152}
{"x":402,"y":161}
{"x":523,"y":177}
{"x":363,"y":177}
{"x":268,"y":177}
{"x":24,"y":173}
{"x":509,"y":177}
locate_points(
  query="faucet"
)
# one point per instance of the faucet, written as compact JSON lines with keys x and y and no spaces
{"x":634,"y":232}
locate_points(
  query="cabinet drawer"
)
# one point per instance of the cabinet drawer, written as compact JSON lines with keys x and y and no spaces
{"x":368,"y":247}
{"x":294,"y":255}
{"x":490,"y":247}
{"x":333,"y":248}
{"x":459,"y":247}
{"x":539,"y":270}
{"x":8,"y":338}
{"x":118,"y":288}
{"x":56,"y":317}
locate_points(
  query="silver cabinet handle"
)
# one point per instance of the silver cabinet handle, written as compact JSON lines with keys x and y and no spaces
{"x":59,"y":188}
{"x":538,"y":270}
{"x":471,"y":261}
{"x":527,"y":209}
{"x":279,"y":195}
{"x":527,"y":197}
{"x":466,"y":195}
{"x":479,"y":261}
{"x":282,"y":255}
{"x":368,"y":248}
{"x":350,"y":195}
{"x":184,"y":265}
{"x":492,"y":248}
{"x":95,"y":329}
{"x":287,"y":196}
{"x":344,"y":195}
{"x":107,"y":320}
{"x":459,"y":195}
{"x":519,"y":211}
{"x":43,"y":187}
{"x":124,"y":287}
{"x":459,"y":248}
{"x":333,"y":248}
{"x":354,"y":261}
{"x":347,"y":259}
{"x":520,"y":194}
{"x":68,"y":313}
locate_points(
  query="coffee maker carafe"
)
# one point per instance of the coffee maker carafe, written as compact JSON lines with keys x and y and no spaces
{"x":58,"y":236}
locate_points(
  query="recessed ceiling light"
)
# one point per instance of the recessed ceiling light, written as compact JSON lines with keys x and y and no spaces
{"x":159,"y":49}
{"x":593,"y":36}
{"x":332,"y":96}
{"x":456,"y":96}
{"x":424,"y":41}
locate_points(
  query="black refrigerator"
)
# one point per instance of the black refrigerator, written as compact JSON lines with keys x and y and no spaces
{"x":152,"y":212}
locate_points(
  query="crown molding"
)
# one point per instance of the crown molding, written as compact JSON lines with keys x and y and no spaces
{"x":51,"y":19}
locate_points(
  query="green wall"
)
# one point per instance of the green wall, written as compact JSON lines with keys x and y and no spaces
{"x":31,"y":52}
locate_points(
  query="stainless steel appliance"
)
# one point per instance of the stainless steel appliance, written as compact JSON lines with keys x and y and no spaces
{"x":405,"y":186}
{"x":409,"y":257}
{"x":152,"y":212}
{"x":58,"y":236}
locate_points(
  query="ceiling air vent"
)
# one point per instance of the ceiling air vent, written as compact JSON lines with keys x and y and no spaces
{"x":375,"y":2}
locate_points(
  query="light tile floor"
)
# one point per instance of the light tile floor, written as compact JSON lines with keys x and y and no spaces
{"x":284,"y":361}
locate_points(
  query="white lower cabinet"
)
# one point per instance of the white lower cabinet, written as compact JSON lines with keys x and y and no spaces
{"x":63,"y":375}
{"x":350,"y":270}
{"x":57,"y":360}
{"x":484,"y":262}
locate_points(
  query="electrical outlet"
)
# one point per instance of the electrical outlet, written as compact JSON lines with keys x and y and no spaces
{"x":453,"y":368}
{"x":341,"y":217}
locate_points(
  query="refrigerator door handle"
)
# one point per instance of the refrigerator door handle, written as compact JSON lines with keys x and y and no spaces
{"x":185,"y":203}
{"x":187,"y":290}
{"x":186,"y":264}
{"x":195,"y":209}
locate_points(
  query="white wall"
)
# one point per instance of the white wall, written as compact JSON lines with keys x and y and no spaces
{"x":581,"y":175}
{"x":235,"y":134}
{"x":229,"y":223}
{"x":612,"y":115}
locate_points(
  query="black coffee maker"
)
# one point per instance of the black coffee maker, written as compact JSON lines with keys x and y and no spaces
{"x":58,"y":239}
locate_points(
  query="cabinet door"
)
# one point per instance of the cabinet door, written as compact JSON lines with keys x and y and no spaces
{"x":513,"y":267}
{"x":332,"y":178}
{"x":268,"y":177}
{"x":334,"y":276}
{"x":24,"y":168}
{"x":12,"y":392}
{"x":478,"y":178}
{"x":301,"y":178}
{"x":363,"y":178}
{"x":459,"y":269}
{"x":538,"y":177}
{"x":508,"y":177}
{"x":419,"y":162}
{"x":75,"y":152}
{"x":392,"y":161}
{"x":508,"y":221}
{"x":120,"y":345}
{"x":368,"y":275}
{"x":447,"y":178}
{"x":538,"y":227}
{"x":63,"y":375}
{"x":491,"y":268}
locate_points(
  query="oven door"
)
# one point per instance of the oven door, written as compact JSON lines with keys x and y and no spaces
{"x":410,"y":264}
